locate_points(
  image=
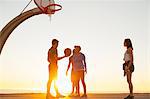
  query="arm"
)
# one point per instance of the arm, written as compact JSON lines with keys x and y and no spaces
{"x":68,"y":66}
{"x":85,"y":64}
{"x":48,"y":57}
{"x":59,"y":58}
{"x":131,"y":56}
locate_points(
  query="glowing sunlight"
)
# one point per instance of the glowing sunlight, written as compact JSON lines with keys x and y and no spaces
{"x":63,"y":83}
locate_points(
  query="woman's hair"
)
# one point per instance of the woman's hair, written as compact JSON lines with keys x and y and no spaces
{"x":54,"y":41}
{"x":128,"y":42}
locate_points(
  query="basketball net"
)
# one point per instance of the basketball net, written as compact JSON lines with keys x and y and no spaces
{"x":50,"y":17}
{"x":51,"y":7}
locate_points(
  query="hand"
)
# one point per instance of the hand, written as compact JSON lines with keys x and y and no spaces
{"x":66,"y":73}
{"x":85,"y":71}
{"x":124,"y":73}
{"x":65,"y":56}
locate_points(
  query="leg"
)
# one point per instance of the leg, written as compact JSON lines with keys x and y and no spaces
{"x":49,"y":80}
{"x":55,"y":85}
{"x":48,"y":95}
{"x":76,"y":90}
{"x":56,"y":88}
{"x":83,"y":82}
{"x":78,"y":87}
{"x":49,"y":85}
{"x":72,"y":88}
{"x":129,"y":80}
{"x":129,"y":76}
{"x":84,"y":86}
{"x":55,"y":79}
{"x":73,"y":81}
{"x":77,"y":81}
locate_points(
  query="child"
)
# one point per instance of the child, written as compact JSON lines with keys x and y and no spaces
{"x":73,"y":75}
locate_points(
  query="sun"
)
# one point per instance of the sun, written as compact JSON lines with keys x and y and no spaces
{"x":63,"y":83}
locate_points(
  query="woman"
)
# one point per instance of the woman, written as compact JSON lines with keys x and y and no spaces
{"x":128,"y":66}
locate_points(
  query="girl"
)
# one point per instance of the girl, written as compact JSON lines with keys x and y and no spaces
{"x":128,"y":66}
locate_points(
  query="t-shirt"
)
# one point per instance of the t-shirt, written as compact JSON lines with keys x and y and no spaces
{"x":52,"y":56}
{"x":127,"y":55}
{"x":78,"y":62}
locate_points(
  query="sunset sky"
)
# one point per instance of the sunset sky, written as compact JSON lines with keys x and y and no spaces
{"x":98,"y":26}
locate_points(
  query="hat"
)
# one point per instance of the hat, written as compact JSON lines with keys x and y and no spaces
{"x":77,"y":46}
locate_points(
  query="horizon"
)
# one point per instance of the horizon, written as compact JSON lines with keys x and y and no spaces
{"x":11,"y":91}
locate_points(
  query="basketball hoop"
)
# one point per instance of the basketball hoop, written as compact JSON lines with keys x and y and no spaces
{"x":51,"y":9}
{"x":47,"y":6}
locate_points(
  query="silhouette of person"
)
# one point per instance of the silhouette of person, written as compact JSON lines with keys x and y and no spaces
{"x":128,"y":66}
{"x":53,"y":67}
{"x":80,"y":67}
{"x":73,"y":74}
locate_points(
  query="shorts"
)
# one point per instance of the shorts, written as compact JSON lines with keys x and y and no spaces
{"x":76,"y":76}
{"x":126,"y":64}
{"x":53,"y":68}
{"x":80,"y":75}
{"x":73,"y":76}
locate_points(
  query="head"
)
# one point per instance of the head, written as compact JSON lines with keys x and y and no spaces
{"x":55,"y":43}
{"x":128,"y":43}
{"x":77,"y":49}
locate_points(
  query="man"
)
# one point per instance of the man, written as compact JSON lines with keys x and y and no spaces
{"x":79,"y":65}
{"x":53,"y":67}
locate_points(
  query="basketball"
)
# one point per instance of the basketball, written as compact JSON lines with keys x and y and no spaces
{"x":67,"y":52}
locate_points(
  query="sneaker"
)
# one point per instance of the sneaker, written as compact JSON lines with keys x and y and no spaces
{"x":84,"y":95}
{"x":49,"y":96}
{"x":70,"y":95}
{"x":59,"y":95}
{"x":129,"y":97}
{"x":77,"y":95}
